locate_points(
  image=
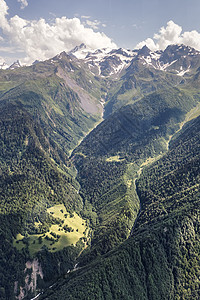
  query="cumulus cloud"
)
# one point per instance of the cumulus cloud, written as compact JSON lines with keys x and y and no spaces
{"x":93,"y":24}
{"x":2,"y":60}
{"x":41,"y":40}
{"x":85,"y":17}
{"x":9,"y":49}
{"x":24,"y":3}
{"x":3,"y":13}
{"x":172,"y":34}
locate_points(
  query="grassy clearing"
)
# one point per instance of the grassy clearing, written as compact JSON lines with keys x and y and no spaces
{"x":129,"y":176}
{"x":68,"y":232}
{"x":129,"y":182}
{"x":128,"y":95}
{"x":114,"y":158}
{"x":5,"y":85}
{"x":192,"y":114}
{"x":150,"y":160}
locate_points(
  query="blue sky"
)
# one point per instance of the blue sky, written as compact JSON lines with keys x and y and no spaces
{"x":124,"y":24}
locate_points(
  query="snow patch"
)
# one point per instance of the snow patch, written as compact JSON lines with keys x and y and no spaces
{"x":183,"y":72}
{"x":163,"y":66}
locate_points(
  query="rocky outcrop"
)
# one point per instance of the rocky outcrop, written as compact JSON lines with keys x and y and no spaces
{"x":32,"y":271}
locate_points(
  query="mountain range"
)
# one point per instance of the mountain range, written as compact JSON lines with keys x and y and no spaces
{"x":178,"y":59}
{"x":99,"y":168}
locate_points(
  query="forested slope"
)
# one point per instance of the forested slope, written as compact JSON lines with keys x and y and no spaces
{"x":30,"y":183}
{"x":131,"y":130}
{"x":160,"y":260}
{"x":109,"y":158}
{"x":37,"y":113}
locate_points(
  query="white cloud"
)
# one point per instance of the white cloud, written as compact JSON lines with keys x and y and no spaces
{"x":135,"y":26}
{"x":2,"y":60}
{"x":169,"y":35}
{"x":192,"y":39}
{"x":3,"y":13}
{"x":52,"y":14}
{"x":41,"y":40}
{"x":24,"y":3}
{"x":85,"y":17}
{"x":172,"y":34}
{"x":93,"y":24}
{"x":149,"y":43}
{"x":9,"y":49}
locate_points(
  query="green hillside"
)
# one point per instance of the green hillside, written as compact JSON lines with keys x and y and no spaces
{"x":160,"y":259}
{"x":137,"y":135}
{"x":41,"y":121}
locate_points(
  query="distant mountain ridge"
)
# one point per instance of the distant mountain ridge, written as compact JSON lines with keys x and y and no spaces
{"x":175,"y":58}
{"x":179,"y":59}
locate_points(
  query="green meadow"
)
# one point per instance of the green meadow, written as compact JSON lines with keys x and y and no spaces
{"x":68,"y":232}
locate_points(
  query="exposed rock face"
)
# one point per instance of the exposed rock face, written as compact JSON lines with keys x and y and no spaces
{"x":33,"y":270}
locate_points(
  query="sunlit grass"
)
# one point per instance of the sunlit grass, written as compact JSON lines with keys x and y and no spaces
{"x":60,"y":238}
{"x":114,"y":158}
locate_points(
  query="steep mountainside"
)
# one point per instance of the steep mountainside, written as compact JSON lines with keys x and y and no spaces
{"x":100,"y":176}
{"x":178,"y":59}
{"x":160,"y":259}
{"x":109,"y":158}
{"x":136,"y":73}
{"x":43,"y":116}
{"x":31,"y":182}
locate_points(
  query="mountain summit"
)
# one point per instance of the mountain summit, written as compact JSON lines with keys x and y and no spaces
{"x":111,"y":62}
{"x":107,"y":62}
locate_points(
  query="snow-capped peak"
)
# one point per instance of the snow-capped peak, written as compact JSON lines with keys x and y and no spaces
{"x":80,"y":51}
{"x":105,"y":61}
{"x":3,"y":66}
{"x":178,"y":59}
{"x":15,"y":65}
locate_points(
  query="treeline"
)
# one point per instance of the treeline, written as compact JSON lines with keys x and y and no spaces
{"x":139,"y":130}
